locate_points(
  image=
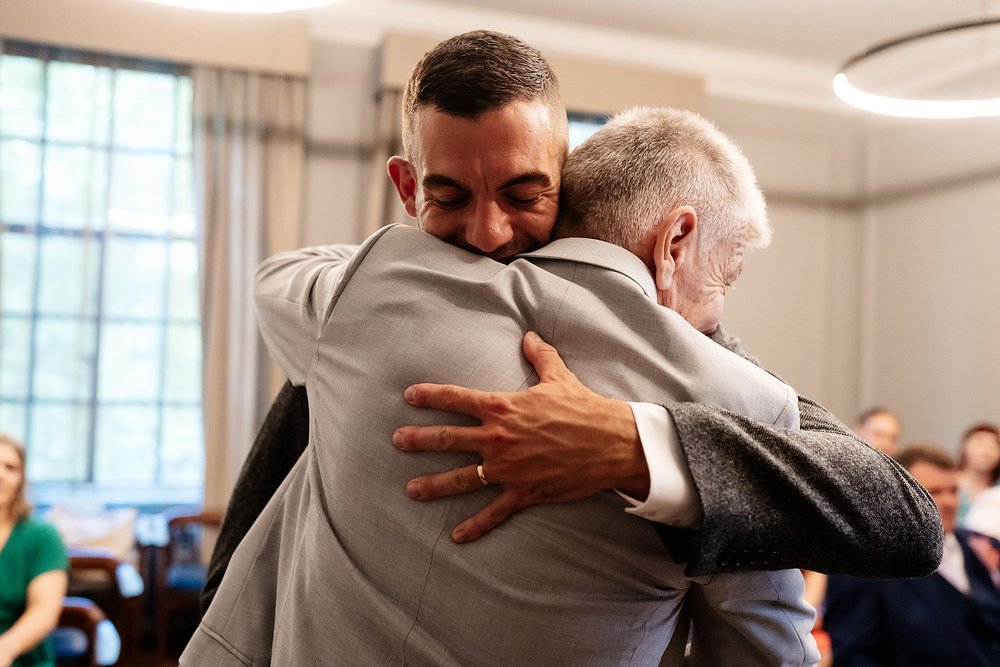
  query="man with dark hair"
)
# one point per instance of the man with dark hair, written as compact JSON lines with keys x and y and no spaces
{"x":951,"y":617}
{"x":880,"y":428}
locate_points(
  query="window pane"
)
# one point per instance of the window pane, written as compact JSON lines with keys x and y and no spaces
{"x":78,"y":103}
{"x":135,"y":278}
{"x":17,"y":272}
{"x":183,"y":209}
{"x":58,"y":442}
{"x":12,"y":419}
{"x":75,"y":187}
{"x":184,"y":299}
{"x":64,"y":354}
{"x":184,"y":115}
{"x":144,"y":110}
{"x":140,"y":192}
{"x":99,"y":278}
{"x":21,"y":84}
{"x":183,"y":459}
{"x":126,"y":450}
{"x":183,"y":381}
{"x":21,"y":165}
{"x":69,"y":275}
{"x":15,"y":343}
{"x":129,"y":362}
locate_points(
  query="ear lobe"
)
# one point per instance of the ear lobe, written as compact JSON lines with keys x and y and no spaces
{"x":401,"y":173}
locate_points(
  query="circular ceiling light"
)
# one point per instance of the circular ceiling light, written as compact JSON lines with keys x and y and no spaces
{"x":246,"y":6}
{"x":951,"y":71}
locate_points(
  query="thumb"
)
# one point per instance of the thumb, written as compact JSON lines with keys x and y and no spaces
{"x":548,"y":364}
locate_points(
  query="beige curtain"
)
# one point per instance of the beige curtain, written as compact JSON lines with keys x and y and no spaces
{"x":383,"y":204}
{"x":248,"y":132}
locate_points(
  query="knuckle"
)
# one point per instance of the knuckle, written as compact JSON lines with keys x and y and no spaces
{"x":498,"y":404}
{"x":442,"y":438}
{"x":497,"y":435}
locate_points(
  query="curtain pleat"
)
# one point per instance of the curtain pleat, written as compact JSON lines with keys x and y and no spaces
{"x":249,"y":147}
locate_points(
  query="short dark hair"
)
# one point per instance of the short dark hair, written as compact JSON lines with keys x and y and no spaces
{"x":932,"y":454}
{"x":475,"y":72}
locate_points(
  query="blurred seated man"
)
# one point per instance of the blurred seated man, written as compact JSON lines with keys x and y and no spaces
{"x":880,"y":428}
{"x":951,"y":617}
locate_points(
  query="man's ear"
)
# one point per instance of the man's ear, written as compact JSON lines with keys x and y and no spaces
{"x":675,"y":240}
{"x":405,"y":181}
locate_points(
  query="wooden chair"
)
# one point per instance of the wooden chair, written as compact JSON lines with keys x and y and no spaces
{"x":84,"y":637}
{"x":115,"y":587}
{"x":181,"y":572}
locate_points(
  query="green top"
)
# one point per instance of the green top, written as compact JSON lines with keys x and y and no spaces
{"x":33,"y":548}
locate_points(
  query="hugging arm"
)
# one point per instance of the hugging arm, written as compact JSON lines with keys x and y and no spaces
{"x":772,"y":498}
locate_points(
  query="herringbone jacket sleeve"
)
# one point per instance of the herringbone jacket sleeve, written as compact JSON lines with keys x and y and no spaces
{"x":818,"y":498}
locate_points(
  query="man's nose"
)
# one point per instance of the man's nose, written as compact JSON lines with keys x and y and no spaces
{"x":490,"y":228}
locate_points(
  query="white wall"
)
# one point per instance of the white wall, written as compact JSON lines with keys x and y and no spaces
{"x":797,"y":305}
{"x":934,"y":294}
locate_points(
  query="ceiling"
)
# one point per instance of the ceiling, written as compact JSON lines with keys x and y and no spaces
{"x":824,"y":32}
{"x":783,"y":51}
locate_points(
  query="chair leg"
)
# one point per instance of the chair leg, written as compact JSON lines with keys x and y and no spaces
{"x":162,"y":618}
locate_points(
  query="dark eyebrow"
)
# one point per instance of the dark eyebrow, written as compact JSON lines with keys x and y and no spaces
{"x":437,"y":180}
{"x":534,"y":177}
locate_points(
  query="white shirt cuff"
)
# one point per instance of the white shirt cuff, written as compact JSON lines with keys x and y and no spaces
{"x":672,"y":497}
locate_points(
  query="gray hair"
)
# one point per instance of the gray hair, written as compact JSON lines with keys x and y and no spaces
{"x":646,"y":162}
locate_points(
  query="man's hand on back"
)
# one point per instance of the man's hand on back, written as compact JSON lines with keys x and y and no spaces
{"x":555,"y":442}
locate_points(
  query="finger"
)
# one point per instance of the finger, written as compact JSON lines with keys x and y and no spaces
{"x":548,"y":364}
{"x":450,"y":483}
{"x":440,"y":439}
{"x":448,"y":397}
{"x":486,"y":519}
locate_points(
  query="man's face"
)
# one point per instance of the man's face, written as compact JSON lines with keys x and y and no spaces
{"x":700,"y":284}
{"x":488,"y":184}
{"x":881,"y":431}
{"x":942,"y":484}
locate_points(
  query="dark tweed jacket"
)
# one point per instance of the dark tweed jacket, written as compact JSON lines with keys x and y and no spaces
{"x":818,"y":498}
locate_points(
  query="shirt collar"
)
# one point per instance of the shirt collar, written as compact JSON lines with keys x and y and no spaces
{"x":601,"y":254}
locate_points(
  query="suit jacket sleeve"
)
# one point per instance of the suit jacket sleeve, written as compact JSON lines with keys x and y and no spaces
{"x":284,"y":434}
{"x":819,"y":498}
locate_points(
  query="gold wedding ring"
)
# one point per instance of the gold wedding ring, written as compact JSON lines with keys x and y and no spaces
{"x":482,"y":475}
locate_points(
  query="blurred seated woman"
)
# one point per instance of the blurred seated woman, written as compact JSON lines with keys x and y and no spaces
{"x":978,"y":464}
{"x":32,"y":569}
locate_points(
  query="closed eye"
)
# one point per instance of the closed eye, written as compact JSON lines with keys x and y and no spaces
{"x":517,"y":201}
{"x":450,"y":204}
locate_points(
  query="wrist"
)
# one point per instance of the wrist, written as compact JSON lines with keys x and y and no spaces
{"x":630,"y":472}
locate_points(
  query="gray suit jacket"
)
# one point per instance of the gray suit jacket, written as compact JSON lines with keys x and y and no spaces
{"x":342,"y":568}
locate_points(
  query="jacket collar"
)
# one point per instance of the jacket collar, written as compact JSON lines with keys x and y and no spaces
{"x":600,"y":254}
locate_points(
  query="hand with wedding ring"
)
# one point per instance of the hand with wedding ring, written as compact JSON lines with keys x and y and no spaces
{"x":555,"y":442}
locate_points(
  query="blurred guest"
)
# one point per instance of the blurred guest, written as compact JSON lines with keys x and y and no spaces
{"x":978,"y":464}
{"x":32,"y":569}
{"x":984,"y":518}
{"x":951,"y":617}
{"x":880,"y":428}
